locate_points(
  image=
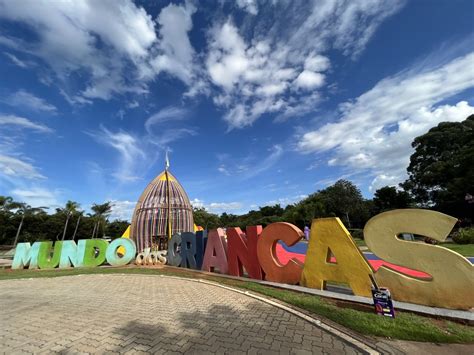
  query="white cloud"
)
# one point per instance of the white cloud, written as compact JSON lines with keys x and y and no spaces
{"x":16,"y":168}
{"x":131,"y":154}
{"x":224,"y":206}
{"x":114,"y":49}
{"x":21,"y":122}
{"x":175,"y":54}
{"x":344,"y":25}
{"x":217,"y":207}
{"x":69,"y":35}
{"x":18,"y":62}
{"x":133,"y":104}
{"x":122,"y":209}
{"x":222,"y":169}
{"x":24,"y":99}
{"x":284,"y":201}
{"x":171,"y":135}
{"x":249,"y":6}
{"x":317,"y":63}
{"x":241,"y":167}
{"x":309,"y":80}
{"x":275,"y":154}
{"x":374,"y":132}
{"x":197,"y":203}
{"x":37,"y":197}
{"x":277,"y":67}
{"x":165,"y":115}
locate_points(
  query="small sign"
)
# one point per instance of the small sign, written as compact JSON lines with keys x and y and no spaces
{"x":383,"y":302}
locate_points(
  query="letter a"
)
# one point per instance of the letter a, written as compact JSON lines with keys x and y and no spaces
{"x":329,"y":235}
{"x":216,"y":252}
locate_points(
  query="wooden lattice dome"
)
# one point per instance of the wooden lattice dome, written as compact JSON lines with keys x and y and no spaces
{"x":150,"y":218}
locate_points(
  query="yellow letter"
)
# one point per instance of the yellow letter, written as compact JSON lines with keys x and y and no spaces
{"x":452,"y":283}
{"x":329,"y":235}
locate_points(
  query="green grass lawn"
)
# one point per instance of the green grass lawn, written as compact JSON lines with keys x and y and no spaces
{"x":360,"y":242}
{"x":463,"y":249}
{"x":405,"y":326}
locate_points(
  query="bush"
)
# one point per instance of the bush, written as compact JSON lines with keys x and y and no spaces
{"x":357,"y":233}
{"x":464,"y":236}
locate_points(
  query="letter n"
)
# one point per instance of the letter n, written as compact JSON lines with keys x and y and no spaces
{"x":242,"y":252}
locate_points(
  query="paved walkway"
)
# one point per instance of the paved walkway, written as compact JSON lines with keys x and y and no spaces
{"x":151,"y":314}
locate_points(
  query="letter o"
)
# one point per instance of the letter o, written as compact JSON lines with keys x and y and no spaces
{"x":130,"y":251}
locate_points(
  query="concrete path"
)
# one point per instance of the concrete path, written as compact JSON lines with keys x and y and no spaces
{"x":149,"y":314}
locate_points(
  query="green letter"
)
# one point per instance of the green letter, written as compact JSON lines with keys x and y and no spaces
{"x":45,"y":260}
{"x":90,"y":258}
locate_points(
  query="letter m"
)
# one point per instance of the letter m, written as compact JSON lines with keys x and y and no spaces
{"x":26,"y":255}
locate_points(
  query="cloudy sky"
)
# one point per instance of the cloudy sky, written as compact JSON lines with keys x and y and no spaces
{"x":257,"y":102}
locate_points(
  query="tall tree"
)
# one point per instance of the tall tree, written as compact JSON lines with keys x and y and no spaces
{"x":388,"y":198}
{"x":25,"y":210}
{"x":345,"y":200}
{"x":7,"y":203}
{"x":116,"y":228}
{"x":69,"y":210}
{"x":205,"y":219}
{"x":79,"y":216}
{"x":441,"y":170}
{"x":101,"y":212}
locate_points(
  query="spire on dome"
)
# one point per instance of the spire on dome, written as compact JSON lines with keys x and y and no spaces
{"x":167,"y":161}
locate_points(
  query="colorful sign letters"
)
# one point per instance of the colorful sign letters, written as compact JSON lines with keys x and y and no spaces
{"x":451,"y":284}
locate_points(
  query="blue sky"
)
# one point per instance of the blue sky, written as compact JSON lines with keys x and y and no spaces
{"x":257,"y":102}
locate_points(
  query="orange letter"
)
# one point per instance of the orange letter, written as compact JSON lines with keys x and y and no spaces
{"x":266,"y":245}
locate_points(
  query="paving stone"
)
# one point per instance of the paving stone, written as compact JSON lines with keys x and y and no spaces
{"x":135,"y":314}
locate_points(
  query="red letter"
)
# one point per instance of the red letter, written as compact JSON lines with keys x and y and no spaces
{"x":216,"y":252}
{"x":242,"y":252}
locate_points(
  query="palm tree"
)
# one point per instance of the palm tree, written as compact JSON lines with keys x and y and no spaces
{"x":79,"y":215}
{"x":25,"y":209}
{"x":7,"y":203}
{"x":100,"y":213}
{"x":69,"y":210}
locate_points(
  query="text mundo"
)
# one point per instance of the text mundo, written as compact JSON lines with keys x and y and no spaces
{"x":449,"y":280}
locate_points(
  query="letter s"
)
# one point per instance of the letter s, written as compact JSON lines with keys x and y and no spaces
{"x":452,"y":283}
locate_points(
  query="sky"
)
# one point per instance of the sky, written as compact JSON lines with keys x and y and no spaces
{"x":257,"y":103}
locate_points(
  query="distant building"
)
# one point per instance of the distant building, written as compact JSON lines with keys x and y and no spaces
{"x":162,"y":210}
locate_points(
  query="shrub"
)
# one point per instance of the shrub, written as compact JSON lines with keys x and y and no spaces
{"x":357,"y":233}
{"x":464,"y":236}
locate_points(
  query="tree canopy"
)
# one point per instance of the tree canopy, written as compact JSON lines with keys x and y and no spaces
{"x":441,"y":170}
{"x":389,"y":198}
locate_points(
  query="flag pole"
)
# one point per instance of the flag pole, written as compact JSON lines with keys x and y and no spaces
{"x":167,"y":165}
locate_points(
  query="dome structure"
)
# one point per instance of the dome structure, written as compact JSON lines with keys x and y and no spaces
{"x":162,"y":210}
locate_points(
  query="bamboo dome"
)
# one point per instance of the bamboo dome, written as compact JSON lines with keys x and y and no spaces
{"x":164,"y":200}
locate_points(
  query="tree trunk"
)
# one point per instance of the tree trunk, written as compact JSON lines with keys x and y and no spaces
{"x":18,"y":230}
{"x":93,"y":231}
{"x":348,"y":221}
{"x":65,"y":226}
{"x":77,"y":226}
